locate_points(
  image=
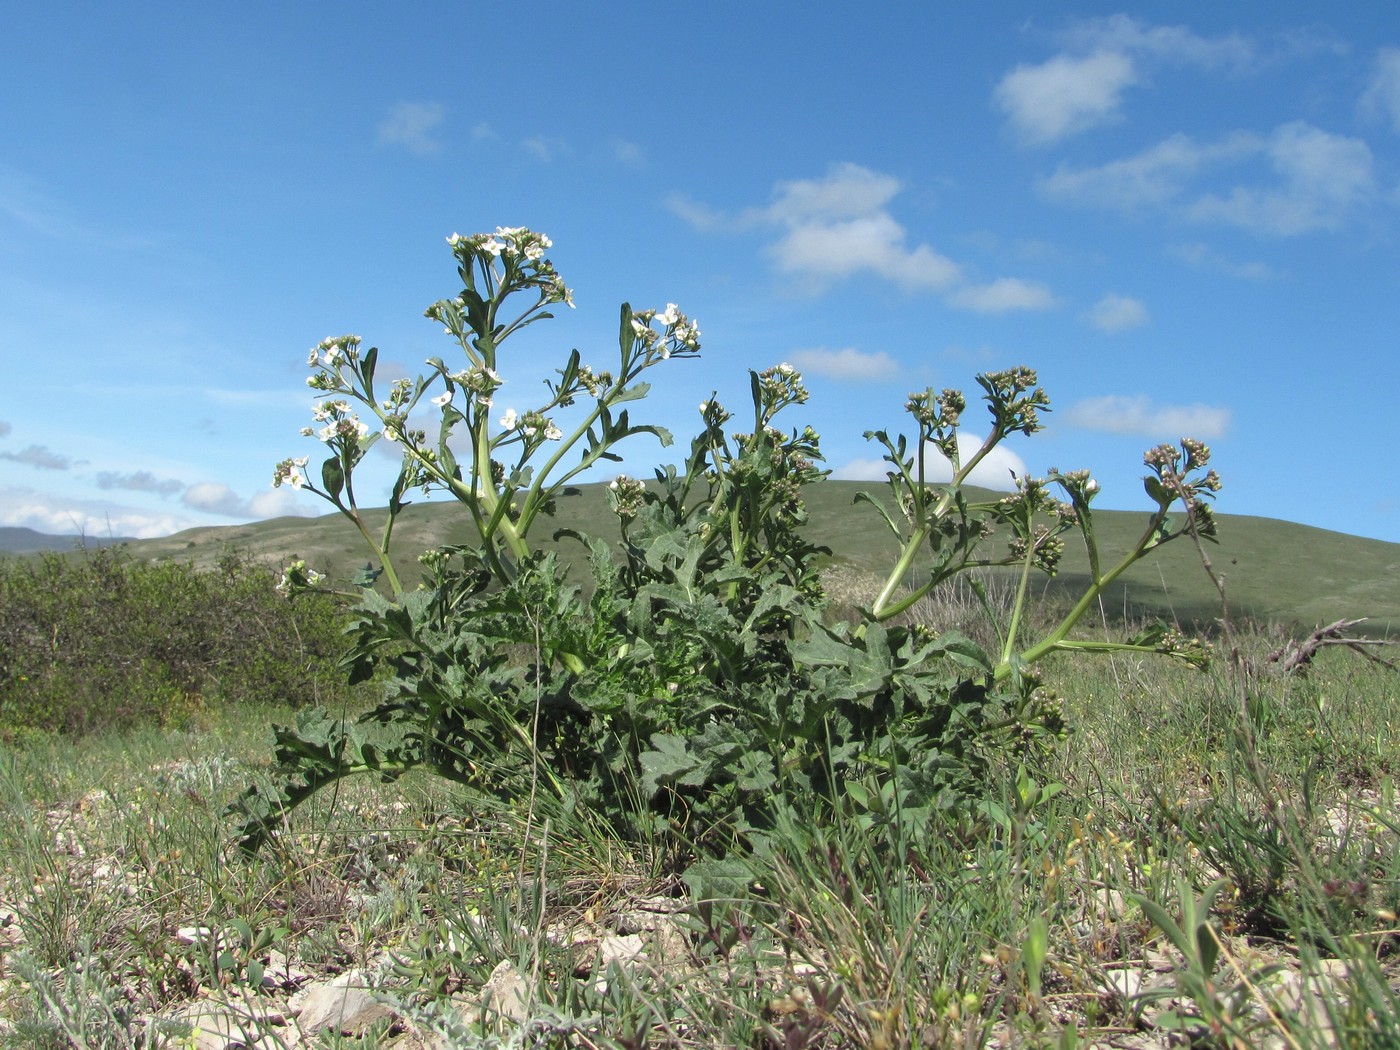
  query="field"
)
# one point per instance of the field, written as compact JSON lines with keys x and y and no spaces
{"x":1205,"y":857}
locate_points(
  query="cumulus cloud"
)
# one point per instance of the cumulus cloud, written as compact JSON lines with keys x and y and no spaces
{"x":62,"y":517}
{"x":1320,"y":180}
{"x":1117,"y":313}
{"x":214,"y":497}
{"x":1382,"y":95}
{"x":1083,"y":86}
{"x":848,"y":363}
{"x":139,"y":481}
{"x":839,"y":226}
{"x":1064,"y":95}
{"x":412,"y":126}
{"x":1003,"y":295}
{"x":995,"y":472}
{"x":1117,"y":414}
{"x":40,"y":457}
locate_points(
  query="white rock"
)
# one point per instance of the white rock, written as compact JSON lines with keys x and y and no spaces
{"x":345,"y":1004}
{"x":505,"y":993}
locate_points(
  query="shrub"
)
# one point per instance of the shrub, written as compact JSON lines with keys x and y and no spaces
{"x":97,"y":640}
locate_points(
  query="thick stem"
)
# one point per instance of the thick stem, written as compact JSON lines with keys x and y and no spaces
{"x":1056,"y":638}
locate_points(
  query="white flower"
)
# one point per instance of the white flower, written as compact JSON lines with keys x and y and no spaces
{"x":510,"y":420}
{"x":442,"y":399}
{"x":552,"y":432}
{"x":704,"y":407}
{"x":492,"y":245}
{"x":670,"y":315}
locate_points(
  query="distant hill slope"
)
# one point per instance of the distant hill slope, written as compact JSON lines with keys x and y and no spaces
{"x":15,"y":540}
{"x":1274,"y":570}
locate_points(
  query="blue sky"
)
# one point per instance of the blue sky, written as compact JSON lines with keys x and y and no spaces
{"x":1183,"y":216}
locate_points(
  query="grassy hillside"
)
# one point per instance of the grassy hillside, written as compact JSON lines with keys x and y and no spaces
{"x":1274,"y":570}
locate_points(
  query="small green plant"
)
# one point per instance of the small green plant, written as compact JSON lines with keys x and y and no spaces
{"x":1221,"y":998}
{"x":696,"y":676}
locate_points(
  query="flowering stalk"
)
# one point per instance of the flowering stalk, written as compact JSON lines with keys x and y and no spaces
{"x":1015,"y":402}
{"x":1175,"y":476}
{"x":503,"y":501}
{"x":954,"y":528}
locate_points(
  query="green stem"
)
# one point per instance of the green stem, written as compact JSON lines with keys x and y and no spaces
{"x":882,"y":609}
{"x":1056,"y":639}
{"x":1008,"y":647}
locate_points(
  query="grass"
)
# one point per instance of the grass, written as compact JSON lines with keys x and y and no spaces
{"x":1210,"y":857}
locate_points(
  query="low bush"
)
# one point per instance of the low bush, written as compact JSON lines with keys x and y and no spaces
{"x":99,"y":641}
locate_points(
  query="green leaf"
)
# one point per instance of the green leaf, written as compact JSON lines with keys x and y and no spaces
{"x":333,"y":478}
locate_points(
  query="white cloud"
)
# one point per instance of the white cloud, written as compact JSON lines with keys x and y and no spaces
{"x":1382,"y":96}
{"x":1170,"y":43}
{"x":1064,"y":95}
{"x":545,"y":148}
{"x":1204,"y":257}
{"x":839,"y":226}
{"x":1117,"y":313}
{"x":214,"y":497}
{"x":994,"y":472}
{"x":64,"y":517}
{"x":823,"y":251}
{"x":1154,"y":177}
{"x":628,"y":153}
{"x":1083,"y":86}
{"x":1003,"y":295}
{"x":848,"y":363}
{"x":411,"y":125}
{"x":278,"y":503}
{"x":1322,"y":178}
{"x":1117,"y":414}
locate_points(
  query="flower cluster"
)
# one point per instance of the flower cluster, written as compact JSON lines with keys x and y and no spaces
{"x":510,"y":241}
{"x":341,"y":423}
{"x":531,"y":424}
{"x":1014,"y":399}
{"x":678,"y":336}
{"x":626,"y":496}
{"x":521,"y":251}
{"x":289,"y":472}
{"x":297,"y":577}
{"x":329,"y":357}
{"x":779,"y":387}
{"x":1171,"y":479}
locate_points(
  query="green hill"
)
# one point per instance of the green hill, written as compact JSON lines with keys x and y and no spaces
{"x":1273,"y":570}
